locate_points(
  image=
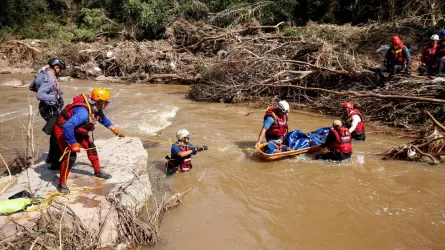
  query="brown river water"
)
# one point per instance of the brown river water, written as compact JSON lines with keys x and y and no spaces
{"x":237,"y":201}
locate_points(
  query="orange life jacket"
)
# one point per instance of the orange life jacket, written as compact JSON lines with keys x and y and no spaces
{"x":342,"y":143}
{"x":279,"y":127}
{"x":360,"y":126}
{"x":67,"y":113}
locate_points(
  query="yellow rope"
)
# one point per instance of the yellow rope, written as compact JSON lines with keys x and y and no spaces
{"x":42,"y":203}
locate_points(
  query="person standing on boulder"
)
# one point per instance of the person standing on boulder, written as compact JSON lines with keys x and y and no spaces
{"x":353,"y":120}
{"x":51,"y":102}
{"x":338,"y":142}
{"x":73,"y":125}
{"x":275,"y":123}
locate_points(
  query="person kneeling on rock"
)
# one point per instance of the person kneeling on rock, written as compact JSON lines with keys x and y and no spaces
{"x":338,"y":143}
{"x":72,"y":127}
{"x":181,"y":153}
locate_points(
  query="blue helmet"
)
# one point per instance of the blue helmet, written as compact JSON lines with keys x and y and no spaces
{"x":442,"y":33}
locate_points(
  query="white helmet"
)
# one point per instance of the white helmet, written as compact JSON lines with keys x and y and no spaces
{"x":182,"y":133}
{"x":434,"y":37}
{"x":283,"y":106}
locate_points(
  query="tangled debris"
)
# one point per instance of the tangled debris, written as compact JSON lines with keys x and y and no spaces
{"x":429,"y":148}
{"x":309,"y":66}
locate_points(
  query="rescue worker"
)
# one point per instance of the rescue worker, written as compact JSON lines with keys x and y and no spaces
{"x":397,"y":59}
{"x":275,"y":123}
{"x":428,"y":59}
{"x":338,"y":143}
{"x":51,"y":102}
{"x":181,"y":153}
{"x":440,"y":52}
{"x":353,"y":120}
{"x":75,"y":121}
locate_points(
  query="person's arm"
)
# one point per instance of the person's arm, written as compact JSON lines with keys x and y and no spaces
{"x":408,"y":57}
{"x":266,"y":125}
{"x":177,"y":151}
{"x":388,"y":57}
{"x":80,"y":116}
{"x":355,"y":120}
{"x":45,"y":89}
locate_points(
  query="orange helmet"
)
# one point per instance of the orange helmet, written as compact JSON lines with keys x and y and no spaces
{"x":396,"y":40}
{"x":348,"y":105}
{"x":101,"y":94}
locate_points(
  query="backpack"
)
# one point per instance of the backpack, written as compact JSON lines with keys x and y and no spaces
{"x":33,"y":86}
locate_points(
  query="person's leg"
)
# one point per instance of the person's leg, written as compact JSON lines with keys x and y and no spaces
{"x":381,"y":72}
{"x":324,"y":156}
{"x":441,"y":65}
{"x":359,"y":137}
{"x":87,"y":143}
{"x":54,"y":153}
{"x":340,"y":156}
{"x":67,"y":162}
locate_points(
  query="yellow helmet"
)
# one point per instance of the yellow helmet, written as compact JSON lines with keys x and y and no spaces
{"x":100,"y":94}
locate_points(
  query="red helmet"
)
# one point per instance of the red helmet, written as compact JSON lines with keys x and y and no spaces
{"x":396,"y":40}
{"x":348,"y":105}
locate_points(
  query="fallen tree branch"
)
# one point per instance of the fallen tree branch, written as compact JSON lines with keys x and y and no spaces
{"x":435,"y":162}
{"x":358,"y":94}
{"x":435,"y":121}
{"x":168,"y":76}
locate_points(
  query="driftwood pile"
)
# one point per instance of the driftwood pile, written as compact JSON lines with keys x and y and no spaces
{"x":318,"y":67}
{"x":429,"y":148}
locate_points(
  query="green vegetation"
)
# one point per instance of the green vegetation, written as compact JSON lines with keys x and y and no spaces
{"x":86,"y":20}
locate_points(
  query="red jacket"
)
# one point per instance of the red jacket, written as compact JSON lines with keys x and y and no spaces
{"x":428,"y":54}
{"x":342,"y":142}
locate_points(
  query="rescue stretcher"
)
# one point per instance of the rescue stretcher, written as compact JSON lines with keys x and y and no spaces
{"x":290,"y":153}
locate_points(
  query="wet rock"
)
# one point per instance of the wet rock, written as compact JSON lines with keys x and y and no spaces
{"x":64,"y":79}
{"x":13,"y":83}
{"x":5,"y":70}
{"x":104,"y":78}
{"x":4,"y":63}
{"x":124,"y":158}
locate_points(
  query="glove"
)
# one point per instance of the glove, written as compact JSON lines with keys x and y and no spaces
{"x":407,"y":72}
{"x":118,"y":132}
{"x":75,"y":147}
{"x":60,"y":101}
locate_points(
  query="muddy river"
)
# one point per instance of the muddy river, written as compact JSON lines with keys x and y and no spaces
{"x":237,"y":201}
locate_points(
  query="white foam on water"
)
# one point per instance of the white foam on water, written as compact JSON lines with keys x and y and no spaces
{"x":153,"y":121}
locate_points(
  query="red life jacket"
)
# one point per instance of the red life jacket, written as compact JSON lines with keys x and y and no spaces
{"x":279,"y":127}
{"x":67,"y":113}
{"x":360,"y":128}
{"x":397,"y":55}
{"x":342,"y":143}
{"x":428,"y":54}
{"x":184,"y":164}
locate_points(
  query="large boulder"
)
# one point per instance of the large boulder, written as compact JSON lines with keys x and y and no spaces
{"x":125,"y":159}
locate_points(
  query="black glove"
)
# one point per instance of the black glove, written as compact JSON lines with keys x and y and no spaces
{"x":61,"y":102}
